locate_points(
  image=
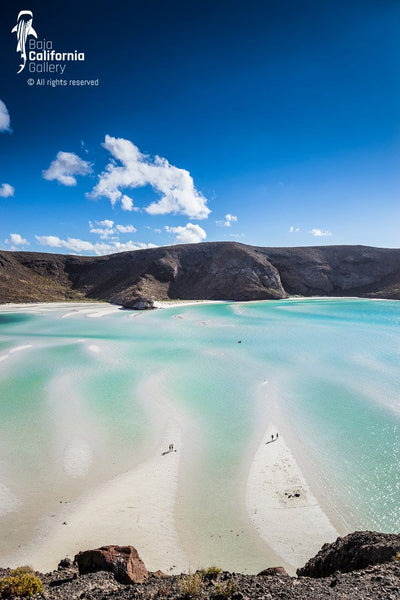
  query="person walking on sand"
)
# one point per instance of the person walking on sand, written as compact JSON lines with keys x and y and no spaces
{"x":277,"y":435}
{"x":272,"y":437}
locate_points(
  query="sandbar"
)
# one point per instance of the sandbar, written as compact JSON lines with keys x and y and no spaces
{"x":281,"y":504}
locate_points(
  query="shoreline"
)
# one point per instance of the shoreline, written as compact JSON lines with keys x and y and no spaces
{"x":95,"y":308}
{"x":161,"y":304}
{"x":107,"y":307}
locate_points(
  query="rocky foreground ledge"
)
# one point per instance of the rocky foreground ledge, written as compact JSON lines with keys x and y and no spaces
{"x":361,"y":566}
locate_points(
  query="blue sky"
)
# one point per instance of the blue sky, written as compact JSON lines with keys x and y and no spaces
{"x":268,"y":123}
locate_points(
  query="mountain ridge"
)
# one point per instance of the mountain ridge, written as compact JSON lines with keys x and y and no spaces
{"x":206,"y":271}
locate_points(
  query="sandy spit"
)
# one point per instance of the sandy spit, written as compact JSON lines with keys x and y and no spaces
{"x":281,"y":504}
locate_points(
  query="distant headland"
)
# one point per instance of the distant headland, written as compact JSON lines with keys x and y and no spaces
{"x":206,"y":271}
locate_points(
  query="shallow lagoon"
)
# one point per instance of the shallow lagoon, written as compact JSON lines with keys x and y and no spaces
{"x":73,"y":412}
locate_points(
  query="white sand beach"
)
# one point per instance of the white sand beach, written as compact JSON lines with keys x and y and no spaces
{"x":95,"y":309}
{"x":182,"y":303}
{"x":89,"y":309}
{"x":136,"y":507}
{"x":8,"y":501}
{"x":281,"y":504}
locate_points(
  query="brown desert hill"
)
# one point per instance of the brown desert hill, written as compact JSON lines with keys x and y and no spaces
{"x":209,"y":271}
{"x":338,"y":271}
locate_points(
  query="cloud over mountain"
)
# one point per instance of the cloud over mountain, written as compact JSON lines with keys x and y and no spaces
{"x":78,"y":246}
{"x":227,"y":222}
{"x":64,"y":168}
{"x":190,"y":234}
{"x":135,"y":169}
{"x":320,"y":232}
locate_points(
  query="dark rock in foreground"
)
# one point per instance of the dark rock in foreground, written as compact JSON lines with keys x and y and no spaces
{"x":123,"y":561}
{"x":273,"y":571}
{"x":357,"y":550}
{"x":207,"y":271}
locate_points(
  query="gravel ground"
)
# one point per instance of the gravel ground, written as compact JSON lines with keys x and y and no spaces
{"x":373,"y":583}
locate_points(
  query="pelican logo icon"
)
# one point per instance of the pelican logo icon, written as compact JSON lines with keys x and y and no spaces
{"x":23,"y":28}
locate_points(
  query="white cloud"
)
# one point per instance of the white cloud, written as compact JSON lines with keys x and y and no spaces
{"x":320,"y":232}
{"x":106,"y":228}
{"x":6,"y":190}
{"x":4,"y":117}
{"x":49,"y":240}
{"x":102,"y":228}
{"x":294,"y":229}
{"x":229,"y":219}
{"x":17,"y":240}
{"x":190,"y":234}
{"x":65,"y":166}
{"x":127,"y":203}
{"x":105,"y":223}
{"x":78,"y":246}
{"x":103,"y":233}
{"x":176,"y":186}
{"x":125,"y":228}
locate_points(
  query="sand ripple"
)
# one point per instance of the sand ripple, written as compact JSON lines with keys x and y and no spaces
{"x":8,"y":501}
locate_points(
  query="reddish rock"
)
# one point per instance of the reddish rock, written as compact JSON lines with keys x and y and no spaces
{"x":273,"y":571}
{"x":123,"y":561}
{"x":159,"y":574}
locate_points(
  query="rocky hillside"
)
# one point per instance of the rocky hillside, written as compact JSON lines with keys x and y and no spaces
{"x":212,"y":271}
{"x":117,"y":573}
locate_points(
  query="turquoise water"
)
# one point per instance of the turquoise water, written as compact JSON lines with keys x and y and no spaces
{"x":329,"y":367}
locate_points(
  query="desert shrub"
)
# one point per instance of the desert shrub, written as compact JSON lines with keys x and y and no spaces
{"x":20,"y":582}
{"x":397,"y":556}
{"x":226,"y":590}
{"x":211,"y":572}
{"x":190,"y":585}
{"x":22,"y":571}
